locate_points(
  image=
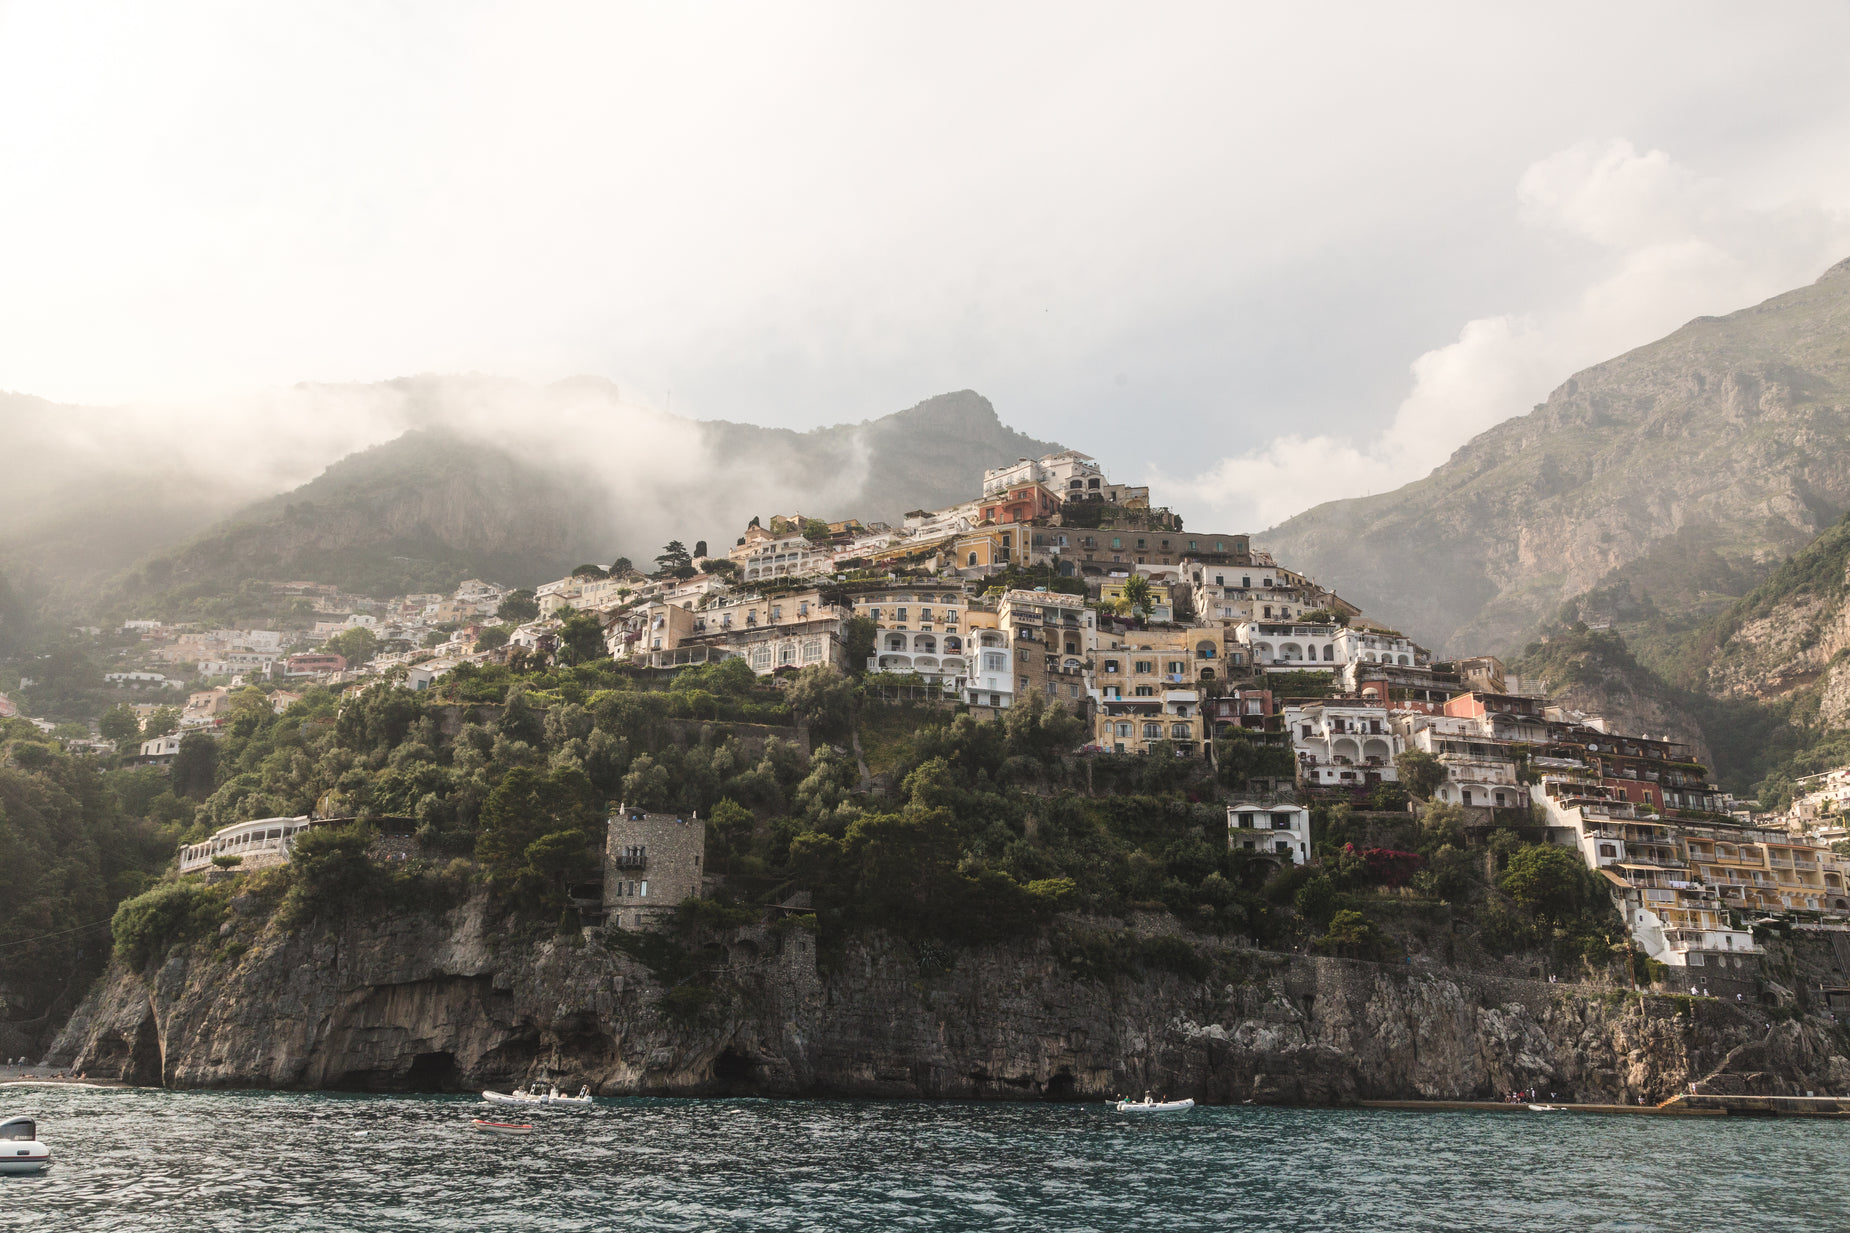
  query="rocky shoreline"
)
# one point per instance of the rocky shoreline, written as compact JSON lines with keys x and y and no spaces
{"x":407,"y":1002}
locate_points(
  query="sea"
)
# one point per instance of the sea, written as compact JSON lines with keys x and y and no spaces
{"x":149,"y":1160}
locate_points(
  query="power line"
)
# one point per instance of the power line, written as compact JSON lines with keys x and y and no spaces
{"x":17,"y":942}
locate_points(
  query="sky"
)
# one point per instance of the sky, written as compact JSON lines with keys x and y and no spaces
{"x":1260,"y":255}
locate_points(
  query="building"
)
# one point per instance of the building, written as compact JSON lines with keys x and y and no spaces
{"x":1147,"y":691}
{"x":1342,"y":744}
{"x":1052,"y":637}
{"x":257,"y":844}
{"x":652,"y":863}
{"x":1270,"y":830}
{"x":314,"y":663}
{"x":923,"y":630}
{"x":161,"y":750}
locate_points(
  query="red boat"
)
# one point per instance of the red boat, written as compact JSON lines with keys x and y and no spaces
{"x":503,"y":1128}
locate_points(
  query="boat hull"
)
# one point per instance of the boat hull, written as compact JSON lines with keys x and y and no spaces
{"x":25,"y":1158}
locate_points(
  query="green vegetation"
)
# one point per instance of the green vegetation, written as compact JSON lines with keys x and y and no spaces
{"x":74,"y":842}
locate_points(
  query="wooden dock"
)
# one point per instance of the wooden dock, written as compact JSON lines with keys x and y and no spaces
{"x":1683,"y":1105}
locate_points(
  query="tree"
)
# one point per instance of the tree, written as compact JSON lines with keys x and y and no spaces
{"x":1420,"y":772}
{"x":824,"y":699}
{"x":1137,"y":593}
{"x":119,"y":724}
{"x":160,"y":721}
{"x":700,"y":549}
{"x":435,"y":638}
{"x":589,"y":571}
{"x":492,"y":637}
{"x":673,"y":556}
{"x":1547,"y":879}
{"x":620,"y":567}
{"x":581,"y":638}
{"x":815,"y":529}
{"x":195,"y":766}
{"x":518,"y":606}
{"x":356,"y":645}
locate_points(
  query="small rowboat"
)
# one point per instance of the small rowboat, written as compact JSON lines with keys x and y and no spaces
{"x":502,"y":1128}
{"x":1154,"y":1106}
{"x":1547,"y":1109}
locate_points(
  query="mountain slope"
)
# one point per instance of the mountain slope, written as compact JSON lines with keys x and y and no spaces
{"x":1732,"y":433}
{"x":421,"y":512}
{"x":433,"y":506}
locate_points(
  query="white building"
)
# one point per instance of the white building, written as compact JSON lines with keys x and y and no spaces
{"x":256,"y":844}
{"x":1271,"y":830}
{"x":1281,"y":646}
{"x":1341,"y":744}
{"x":161,"y":749}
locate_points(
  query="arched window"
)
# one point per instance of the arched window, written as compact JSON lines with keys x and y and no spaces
{"x":1329,"y":653}
{"x":973,"y":559}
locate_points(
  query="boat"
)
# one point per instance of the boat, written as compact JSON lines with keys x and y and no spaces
{"x":20,"y":1149}
{"x":1547,"y":1109}
{"x":502,"y":1128}
{"x":584,"y":1099}
{"x":1147,"y":1105}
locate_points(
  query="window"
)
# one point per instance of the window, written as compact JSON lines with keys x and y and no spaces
{"x":1140,"y":543}
{"x":973,"y":558}
{"x":1176,"y":667}
{"x":1024,"y":682}
{"x":1124,"y":730}
{"x":777,"y":612}
{"x":1117,"y":541}
{"x":761,"y":656}
{"x":1153,"y":732}
{"x":1146,"y":691}
{"x":924,"y":614}
{"x":787,"y":653}
{"x":1179,"y":731}
{"x":642,"y":889}
{"x":1146,"y":665}
{"x":995,"y":699}
{"x":899,"y":615}
{"x":1111,"y":665}
{"x":812,"y":650}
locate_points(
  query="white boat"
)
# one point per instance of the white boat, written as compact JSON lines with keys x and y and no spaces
{"x":1547,"y":1108}
{"x":584,"y":1099}
{"x":1154,"y":1106}
{"x":20,"y":1149}
{"x":502,"y":1128}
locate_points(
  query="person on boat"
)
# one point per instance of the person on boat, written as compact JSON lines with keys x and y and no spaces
{"x":1146,"y":1097}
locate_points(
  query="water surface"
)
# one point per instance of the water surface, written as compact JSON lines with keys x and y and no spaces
{"x":242,"y":1161}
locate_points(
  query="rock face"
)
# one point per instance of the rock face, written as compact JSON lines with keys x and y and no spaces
{"x":1730,"y":436}
{"x":1793,"y":633}
{"x":420,"y":1002}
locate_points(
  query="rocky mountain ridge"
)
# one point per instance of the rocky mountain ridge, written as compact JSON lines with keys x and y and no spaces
{"x":1734,"y":430}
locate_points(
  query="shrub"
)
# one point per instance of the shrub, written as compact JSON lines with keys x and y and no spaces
{"x":1350,"y":933}
{"x":146,"y":927}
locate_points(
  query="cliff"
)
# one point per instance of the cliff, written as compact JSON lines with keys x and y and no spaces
{"x":445,"y":1001}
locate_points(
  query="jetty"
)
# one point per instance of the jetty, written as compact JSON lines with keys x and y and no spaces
{"x":1680,"y":1105}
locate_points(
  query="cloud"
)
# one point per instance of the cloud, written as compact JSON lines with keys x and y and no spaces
{"x":1666,"y":245}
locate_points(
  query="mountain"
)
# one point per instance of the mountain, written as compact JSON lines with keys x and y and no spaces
{"x":1674,"y":477}
{"x":926,"y":457}
{"x":421,"y":512}
{"x":581,"y":480}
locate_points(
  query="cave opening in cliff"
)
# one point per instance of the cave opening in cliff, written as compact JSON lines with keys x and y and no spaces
{"x":1061,"y":1087}
{"x":735,"y":1072}
{"x":432,"y":1072}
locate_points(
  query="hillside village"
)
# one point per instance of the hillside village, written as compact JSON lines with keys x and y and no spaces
{"x":1057,"y":586}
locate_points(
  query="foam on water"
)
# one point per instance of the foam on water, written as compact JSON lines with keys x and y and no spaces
{"x":243,"y":1161}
